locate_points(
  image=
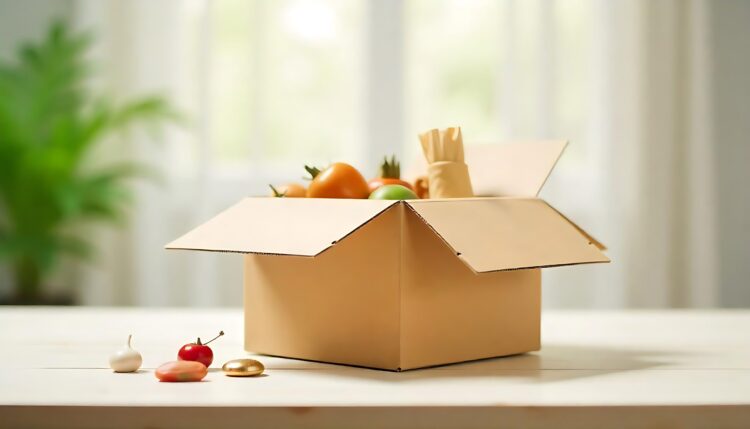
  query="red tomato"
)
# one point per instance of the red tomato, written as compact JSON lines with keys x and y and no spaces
{"x":196,"y":352}
{"x":339,"y":180}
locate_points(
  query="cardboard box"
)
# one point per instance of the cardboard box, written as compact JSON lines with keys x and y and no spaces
{"x":399,"y":285}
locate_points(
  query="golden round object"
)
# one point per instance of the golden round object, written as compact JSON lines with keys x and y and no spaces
{"x":243,"y":368}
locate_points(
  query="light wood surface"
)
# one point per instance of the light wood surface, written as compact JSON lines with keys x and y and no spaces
{"x":617,"y":369}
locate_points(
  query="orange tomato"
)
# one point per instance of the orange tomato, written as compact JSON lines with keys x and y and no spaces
{"x":290,"y":190}
{"x":422,"y":187}
{"x":339,"y":180}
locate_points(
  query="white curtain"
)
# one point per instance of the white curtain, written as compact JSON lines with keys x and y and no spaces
{"x":650,"y":170}
{"x":638,"y":175}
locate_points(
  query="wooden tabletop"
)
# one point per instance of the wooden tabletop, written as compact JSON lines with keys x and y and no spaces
{"x":595,"y":369}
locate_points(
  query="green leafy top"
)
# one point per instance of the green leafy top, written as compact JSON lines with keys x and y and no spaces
{"x":49,"y":122}
{"x":390,"y":168}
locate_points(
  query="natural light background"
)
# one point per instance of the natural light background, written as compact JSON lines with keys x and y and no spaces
{"x":268,"y":86}
{"x":275,"y":85}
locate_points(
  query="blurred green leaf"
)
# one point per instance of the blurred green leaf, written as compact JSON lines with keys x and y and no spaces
{"x":49,"y":123}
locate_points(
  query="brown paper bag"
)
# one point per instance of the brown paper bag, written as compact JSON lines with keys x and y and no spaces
{"x":447,"y":172}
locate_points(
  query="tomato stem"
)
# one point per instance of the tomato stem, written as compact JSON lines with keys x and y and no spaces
{"x":313,"y":171}
{"x":212,"y":339}
{"x":276,"y":192}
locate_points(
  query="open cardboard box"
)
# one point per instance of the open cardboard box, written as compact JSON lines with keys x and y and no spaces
{"x":400,"y":285}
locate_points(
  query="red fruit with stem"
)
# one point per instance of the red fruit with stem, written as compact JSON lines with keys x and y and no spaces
{"x":198,"y":351}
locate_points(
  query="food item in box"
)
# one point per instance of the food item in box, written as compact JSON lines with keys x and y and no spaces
{"x":422,"y":187}
{"x":393,"y":192}
{"x":390,"y":174}
{"x":290,"y":190}
{"x":447,"y":172}
{"x":339,"y":180}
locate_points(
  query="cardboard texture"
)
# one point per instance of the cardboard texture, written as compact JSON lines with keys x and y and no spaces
{"x":310,"y":225}
{"x":512,"y":169}
{"x":517,"y":169}
{"x":395,"y":285}
{"x":507,"y":234}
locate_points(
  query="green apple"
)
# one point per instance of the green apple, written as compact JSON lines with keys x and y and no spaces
{"x":393,"y":192}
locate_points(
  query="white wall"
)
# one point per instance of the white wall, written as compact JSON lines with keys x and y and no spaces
{"x":24,"y":20}
{"x":730,"y":22}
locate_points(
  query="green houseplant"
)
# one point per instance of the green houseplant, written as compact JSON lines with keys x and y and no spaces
{"x":49,"y":124}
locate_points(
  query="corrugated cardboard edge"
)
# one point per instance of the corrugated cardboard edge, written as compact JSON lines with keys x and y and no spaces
{"x":599,"y":245}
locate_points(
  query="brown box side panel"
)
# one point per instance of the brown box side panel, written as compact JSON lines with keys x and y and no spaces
{"x":450,"y":314}
{"x":341,"y":306}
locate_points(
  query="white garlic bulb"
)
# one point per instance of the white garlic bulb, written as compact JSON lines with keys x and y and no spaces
{"x":126,"y":359}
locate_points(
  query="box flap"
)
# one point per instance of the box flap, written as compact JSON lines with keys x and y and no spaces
{"x":599,"y":245}
{"x":283,"y":226}
{"x":493,"y":234}
{"x":513,"y":169}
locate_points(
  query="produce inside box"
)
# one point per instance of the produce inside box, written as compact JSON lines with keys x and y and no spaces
{"x":370,"y":274}
{"x":448,"y":175}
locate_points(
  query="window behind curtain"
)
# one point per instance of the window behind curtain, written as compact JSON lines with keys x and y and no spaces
{"x":286,"y":79}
